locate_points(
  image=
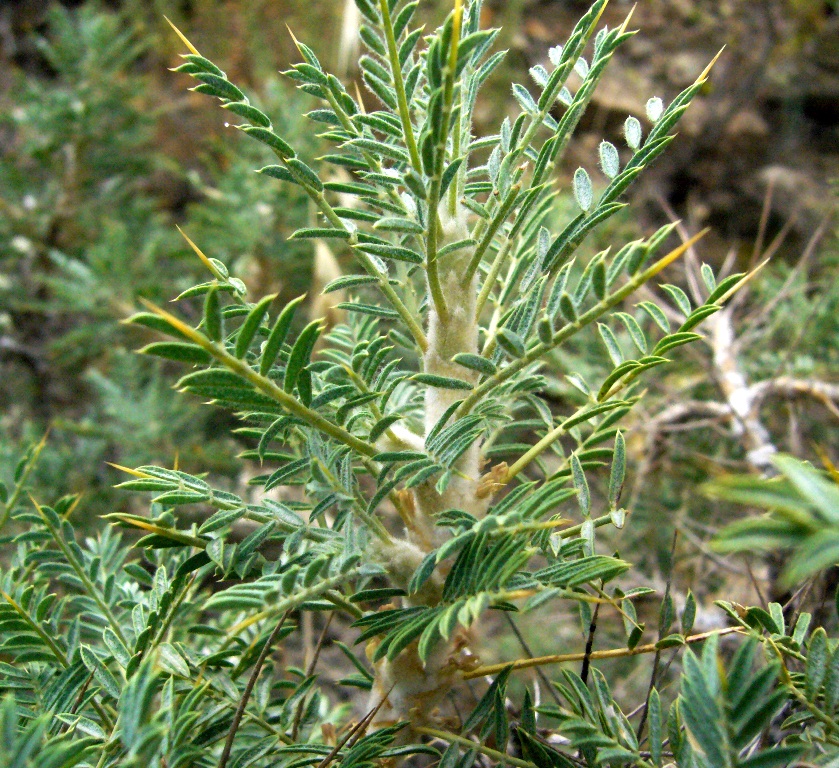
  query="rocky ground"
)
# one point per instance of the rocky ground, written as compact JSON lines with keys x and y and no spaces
{"x":769,"y":118}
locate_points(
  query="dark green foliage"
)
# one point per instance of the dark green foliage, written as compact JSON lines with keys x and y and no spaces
{"x":86,"y":227}
{"x":804,"y":516}
{"x":436,"y":475}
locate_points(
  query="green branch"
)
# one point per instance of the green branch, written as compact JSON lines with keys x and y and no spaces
{"x":432,"y":244}
{"x":566,"y":332}
{"x":535,"y":451}
{"x":38,"y":630}
{"x":571,"y":59}
{"x":289,"y":603}
{"x":384,"y":285}
{"x":497,"y":220}
{"x":92,"y":591}
{"x":20,"y":485}
{"x":56,"y":651}
{"x":492,"y":275}
{"x":399,"y":84}
{"x":265,"y":385}
{"x":822,"y":717}
{"x":549,"y":97}
{"x":454,"y":738}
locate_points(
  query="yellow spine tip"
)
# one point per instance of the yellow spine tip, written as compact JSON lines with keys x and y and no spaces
{"x":296,"y":41}
{"x":198,"y":252}
{"x":599,"y":15}
{"x":127,"y":470}
{"x":359,"y":99}
{"x":176,"y":323}
{"x":665,"y":261}
{"x":707,"y":69}
{"x":629,"y":16}
{"x":182,"y":36}
{"x":742,"y":282}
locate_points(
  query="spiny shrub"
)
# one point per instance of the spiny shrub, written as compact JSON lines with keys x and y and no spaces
{"x":416,"y":480}
{"x":86,"y":226}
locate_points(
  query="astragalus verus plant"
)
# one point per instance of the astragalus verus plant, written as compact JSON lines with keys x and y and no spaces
{"x":461,"y":294}
{"x":436,"y":480}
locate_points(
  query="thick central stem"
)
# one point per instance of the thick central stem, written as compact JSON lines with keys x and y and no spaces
{"x":456,"y":332}
{"x":413,"y":688}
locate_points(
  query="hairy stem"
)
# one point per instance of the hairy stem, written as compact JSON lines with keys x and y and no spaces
{"x":78,"y":567}
{"x":449,"y":334}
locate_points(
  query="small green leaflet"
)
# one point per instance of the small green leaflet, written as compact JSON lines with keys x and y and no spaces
{"x":277,"y":336}
{"x":581,"y":484}
{"x":251,"y":325}
{"x":441,"y":382}
{"x":583,"y":190}
{"x":475,"y":363}
{"x":213,"y":322}
{"x":618,"y":471}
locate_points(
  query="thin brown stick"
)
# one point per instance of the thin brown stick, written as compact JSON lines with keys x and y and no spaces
{"x":669,"y":664}
{"x":790,"y":387}
{"x":692,"y":268}
{"x":319,"y":644}
{"x":661,"y":632}
{"x":764,"y":220}
{"x":298,"y":714}
{"x":354,"y":733}
{"x":768,"y":253}
{"x":240,"y":710}
{"x":756,"y":585}
{"x":78,"y":702}
{"x":750,"y":325}
{"x":523,"y":643}
{"x":592,"y":629}
{"x":704,"y":551}
{"x":612,"y":653}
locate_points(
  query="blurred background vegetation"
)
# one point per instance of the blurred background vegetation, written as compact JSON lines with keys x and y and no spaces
{"x":103,"y":152}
